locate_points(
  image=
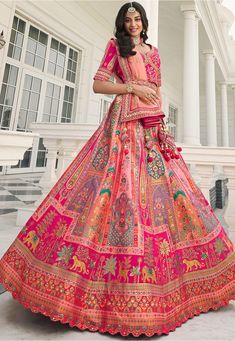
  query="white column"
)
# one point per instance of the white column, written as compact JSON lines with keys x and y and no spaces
{"x":224,"y":115}
{"x":210,"y":98}
{"x":152,"y":9}
{"x":191,"y":115}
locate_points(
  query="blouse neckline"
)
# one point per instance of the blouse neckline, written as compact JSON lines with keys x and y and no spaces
{"x":148,"y":52}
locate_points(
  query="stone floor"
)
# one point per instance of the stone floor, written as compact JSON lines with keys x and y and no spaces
{"x":17,"y":323}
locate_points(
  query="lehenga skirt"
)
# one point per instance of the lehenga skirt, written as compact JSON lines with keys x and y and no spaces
{"x":121,"y":244}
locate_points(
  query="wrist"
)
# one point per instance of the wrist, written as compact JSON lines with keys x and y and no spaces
{"x":129,"y":89}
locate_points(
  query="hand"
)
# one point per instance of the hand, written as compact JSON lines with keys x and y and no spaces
{"x":146,"y":93}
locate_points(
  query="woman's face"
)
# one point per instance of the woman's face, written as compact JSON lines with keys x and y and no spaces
{"x":133,"y":24}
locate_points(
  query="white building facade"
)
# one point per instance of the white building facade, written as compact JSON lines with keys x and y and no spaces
{"x":53,"y":49}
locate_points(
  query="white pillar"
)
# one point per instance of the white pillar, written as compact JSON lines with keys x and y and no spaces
{"x":191,"y":77}
{"x":152,"y":9}
{"x":224,"y":115}
{"x":210,"y":98}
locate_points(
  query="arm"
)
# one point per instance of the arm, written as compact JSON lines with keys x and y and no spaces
{"x":109,"y":88}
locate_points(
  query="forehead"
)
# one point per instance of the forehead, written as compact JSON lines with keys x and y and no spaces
{"x":132,"y":14}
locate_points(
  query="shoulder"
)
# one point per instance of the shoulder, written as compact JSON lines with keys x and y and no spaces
{"x":112,"y":46}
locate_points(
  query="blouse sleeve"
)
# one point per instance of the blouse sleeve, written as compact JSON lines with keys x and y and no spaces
{"x":108,"y":63}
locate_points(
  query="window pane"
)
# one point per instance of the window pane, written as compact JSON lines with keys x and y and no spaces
{"x":51,"y":68}
{"x":54,"y":107}
{"x":50,"y":87}
{"x":62,"y":48}
{"x":1,"y":111}
{"x":19,"y":39}
{"x":72,"y":77}
{"x":41,"y":145}
{"x":15,"y":23}
{"x":6,"y":73}
{"x":36,"y":85}
{"x":25,"y":99}
{"x":17,"y":53}
{"x":6,"y":116}
{"x":21,"y":124}
{"x":60,"y":59}
{"x":46,"y":118}
{"x":13,"y":75}
{"x":47,"y":105}
{"x":27,"y":158}
{"x":41,"y":159}
{"x":53,"y":119}
{"x":68,"y":76}
{"x":70,"y":53}
{"x":53,"y":56}
{"x":74,"y":66}
{"x":69,"y":110}
{"x":28,"y":82}
{"x":32,"y":117}
{"x":32,"y":45}
{"x":10,"y":95}
{"x":75,"y":56}
{"x":56,"y":93}
{"x":59,"y":71}
{"x":39,"y":63}
{"x":33,"y":101}
{"x":54,"y":44}
{"x":41,"y":50}
{"x":3,"y":93}
{"x":43,"y":38}
{"x":66,"y":93}
{"x":29,"y":58}
{"x":10,"y":50}
{"x":64,"y":110}
{"x":13,"y":36}
{"x":21,"y":26}
{"x":71,"y":95}
{"x":33,"y":32}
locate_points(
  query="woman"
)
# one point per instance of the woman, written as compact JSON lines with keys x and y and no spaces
{"x":125,"y":241}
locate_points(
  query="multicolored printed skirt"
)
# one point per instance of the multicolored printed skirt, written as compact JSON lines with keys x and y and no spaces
{"x":121,"y":244}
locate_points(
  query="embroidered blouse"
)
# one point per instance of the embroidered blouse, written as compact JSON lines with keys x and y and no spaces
{"x":138,"y":69}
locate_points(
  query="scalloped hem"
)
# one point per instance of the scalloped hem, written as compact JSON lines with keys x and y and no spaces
{"x":106,"y":329}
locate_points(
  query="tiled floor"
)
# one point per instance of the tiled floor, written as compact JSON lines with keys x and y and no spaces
{"x":17,"y":323}
{"x":17,"y":192}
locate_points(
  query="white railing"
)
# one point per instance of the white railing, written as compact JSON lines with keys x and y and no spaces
{"x":13,"y":145}
{"x":208,"y":164}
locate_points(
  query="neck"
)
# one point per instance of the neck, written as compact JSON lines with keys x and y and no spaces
{"x":137,"y":40}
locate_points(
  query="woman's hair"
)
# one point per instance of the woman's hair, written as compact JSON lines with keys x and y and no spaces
{"x":123,"y":38}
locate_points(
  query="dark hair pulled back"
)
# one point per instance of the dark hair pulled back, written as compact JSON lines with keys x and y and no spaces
{"x":125,"y":44}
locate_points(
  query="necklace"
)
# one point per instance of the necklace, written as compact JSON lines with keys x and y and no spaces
{"x":137,"y":41}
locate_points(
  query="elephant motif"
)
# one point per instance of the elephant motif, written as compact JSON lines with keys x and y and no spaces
{"x":31,"y":240}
